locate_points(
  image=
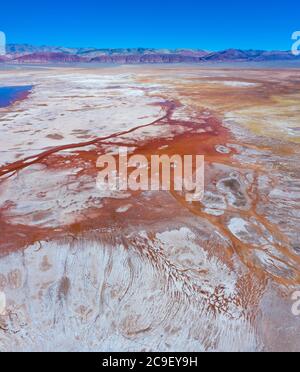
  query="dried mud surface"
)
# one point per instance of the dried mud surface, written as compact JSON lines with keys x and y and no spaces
{"x":84,"y":270}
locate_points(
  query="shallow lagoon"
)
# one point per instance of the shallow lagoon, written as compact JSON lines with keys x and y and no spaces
{"x":9,"y":95}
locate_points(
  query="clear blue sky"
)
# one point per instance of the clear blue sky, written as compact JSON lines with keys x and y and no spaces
{"x":210,"y":24}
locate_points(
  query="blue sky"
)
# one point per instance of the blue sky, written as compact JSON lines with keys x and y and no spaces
{"x":210,"y":24}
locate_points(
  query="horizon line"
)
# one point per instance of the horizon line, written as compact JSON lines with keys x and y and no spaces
{"x":146,"y":48}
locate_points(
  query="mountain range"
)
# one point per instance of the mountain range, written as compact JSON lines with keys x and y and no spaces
{"x":28,"y":54}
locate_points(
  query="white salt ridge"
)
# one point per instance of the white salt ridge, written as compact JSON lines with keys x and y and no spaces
{"x":239,"y":84}
{"x":230,"y":83}
{"x":2,"y":303}
{"x":124,"y":209}
{"x":223,"y":149}
{"x":214,"y":212}
{"x":238,"y":226}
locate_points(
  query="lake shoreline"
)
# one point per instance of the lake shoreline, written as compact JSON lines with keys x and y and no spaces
{"x":12,"y":94}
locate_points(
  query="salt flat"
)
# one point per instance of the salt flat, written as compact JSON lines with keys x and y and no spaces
{"x":70,"y":107}
{"x":134,"y":271}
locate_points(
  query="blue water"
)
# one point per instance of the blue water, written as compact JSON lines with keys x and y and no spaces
{"x":9,"y":95}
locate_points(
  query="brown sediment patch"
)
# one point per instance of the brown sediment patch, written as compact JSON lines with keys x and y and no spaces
{"x":203,"y":143}
{"x":55,"y":136}
{"x":15,"y":237}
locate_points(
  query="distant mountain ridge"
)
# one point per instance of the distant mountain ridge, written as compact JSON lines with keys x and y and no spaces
{"x":26,"y":54}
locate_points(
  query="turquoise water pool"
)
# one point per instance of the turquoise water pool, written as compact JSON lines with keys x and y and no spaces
{"x":9,"y":95}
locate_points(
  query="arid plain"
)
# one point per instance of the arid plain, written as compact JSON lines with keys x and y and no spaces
{"x":84,"y":270}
